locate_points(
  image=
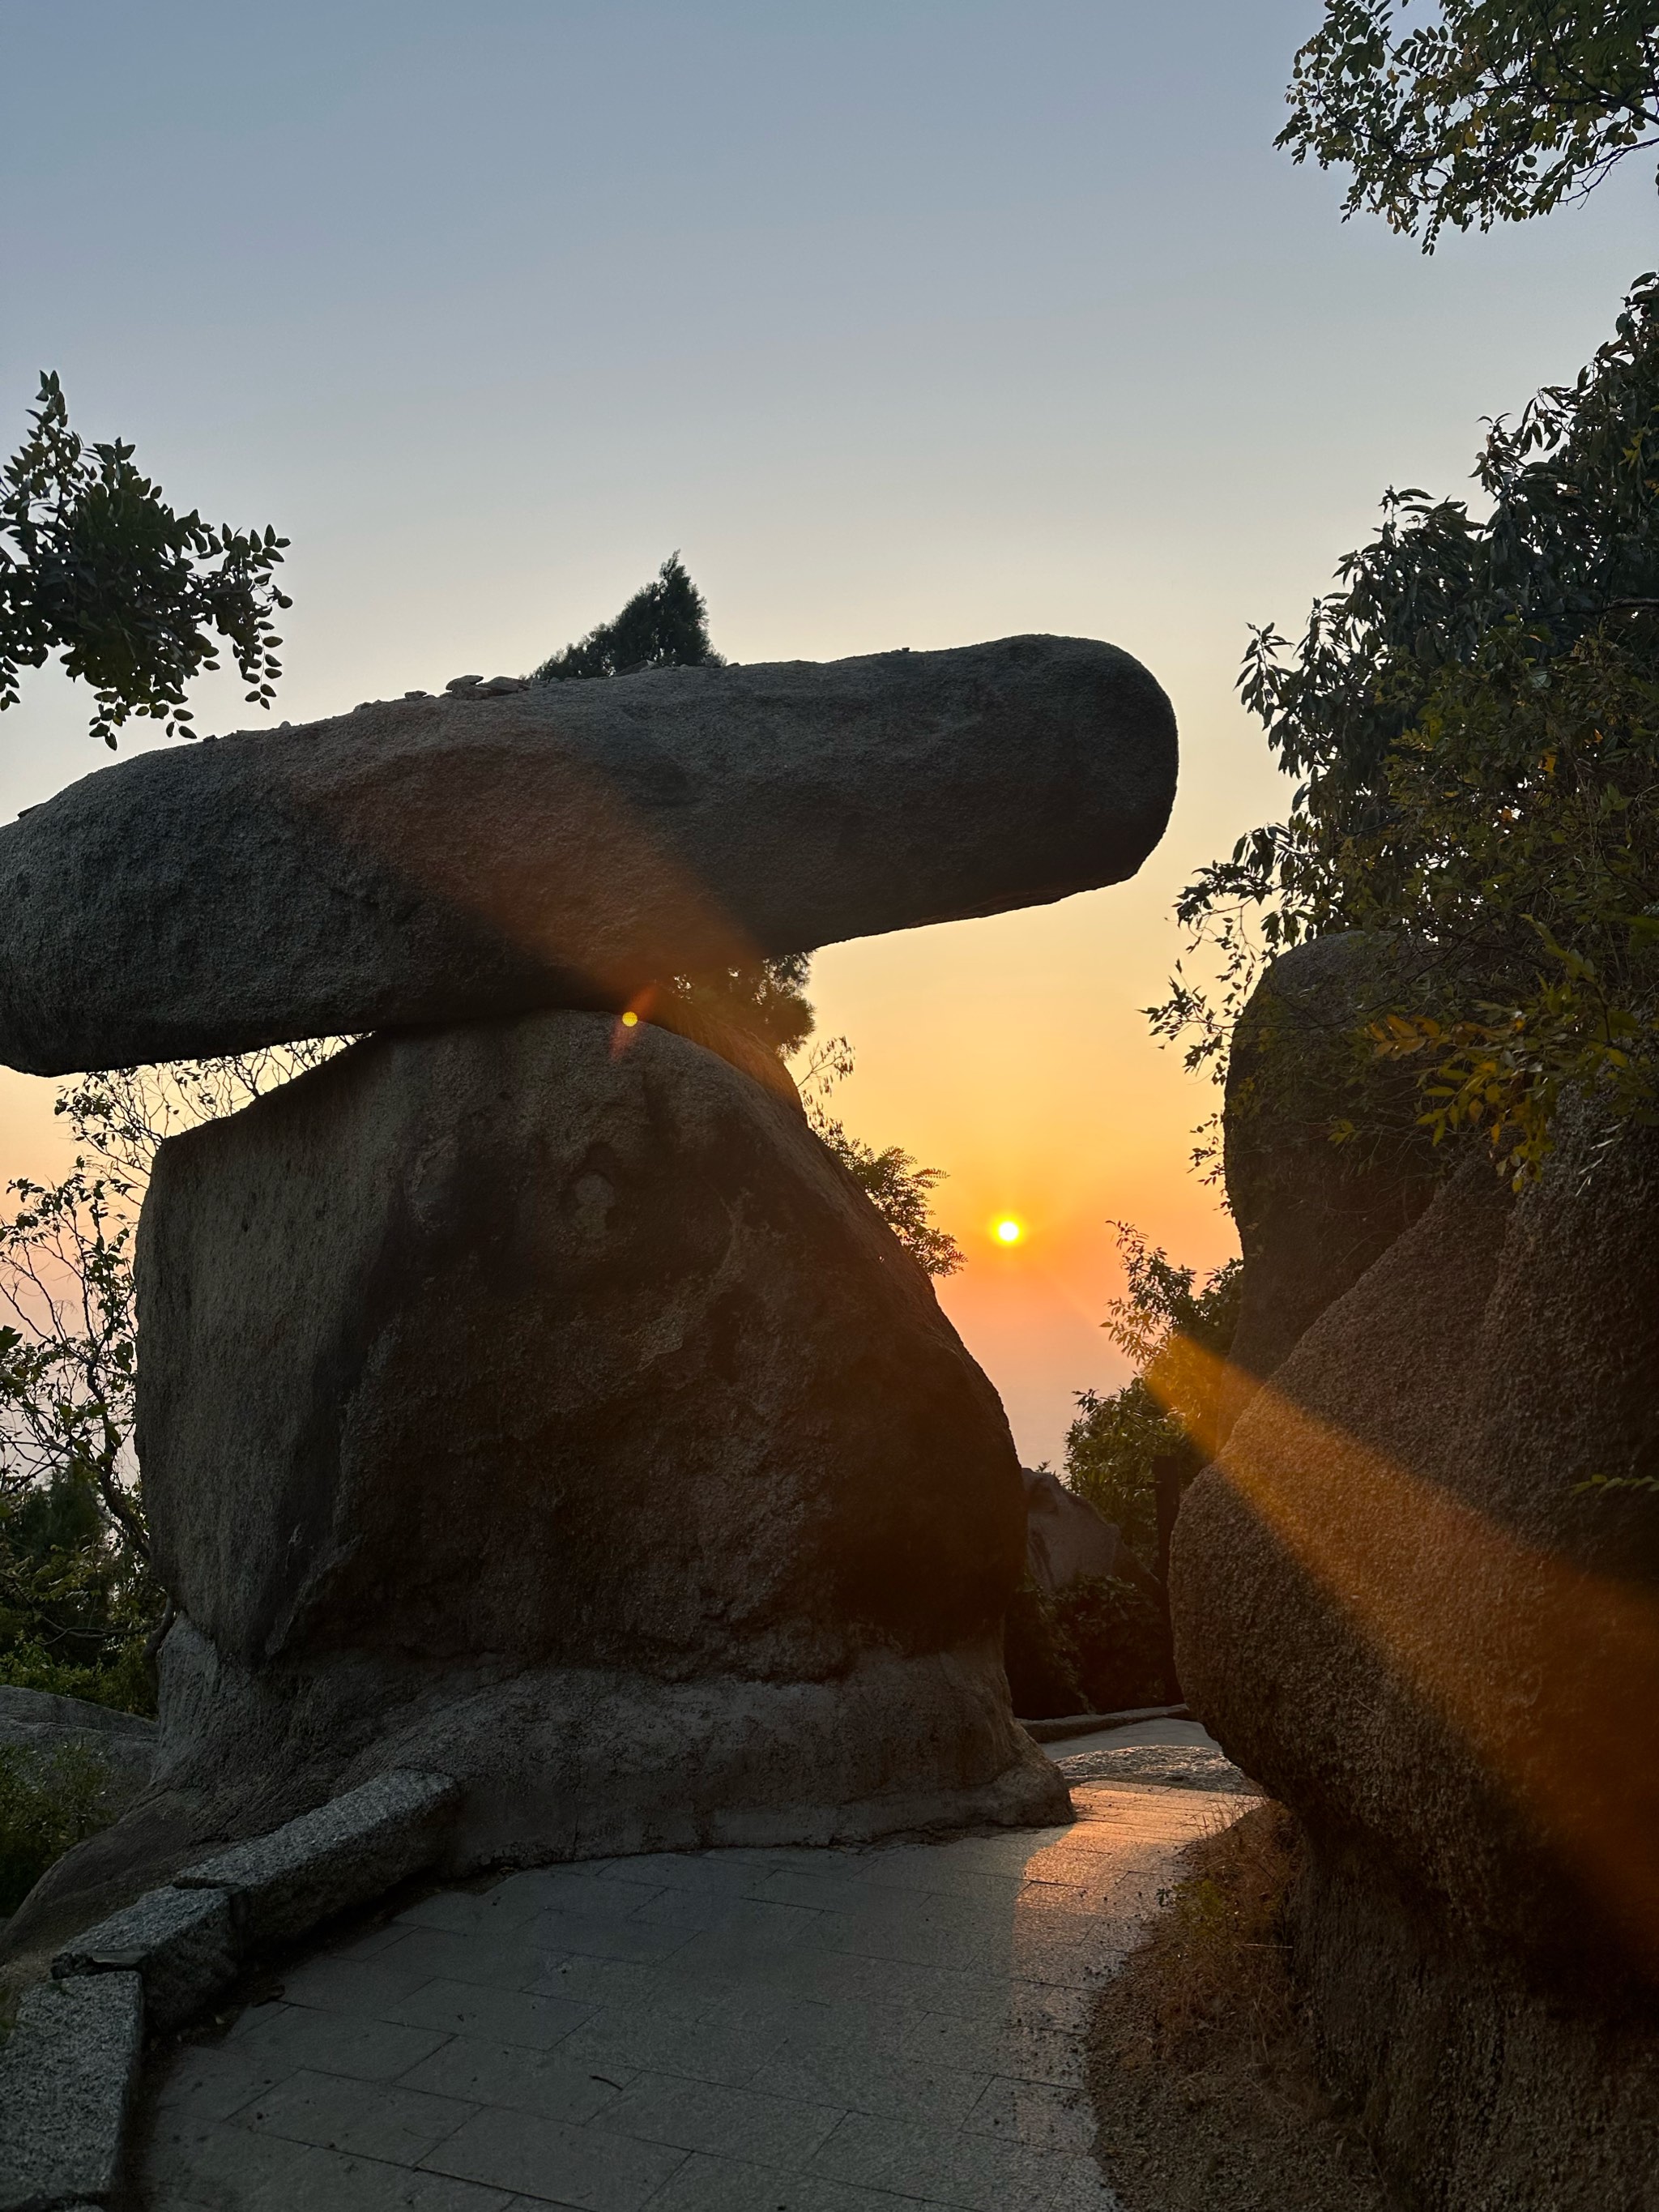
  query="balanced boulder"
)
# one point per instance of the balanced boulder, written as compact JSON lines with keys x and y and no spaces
{"x":538,"y":1402}
{"x":426,"y":860}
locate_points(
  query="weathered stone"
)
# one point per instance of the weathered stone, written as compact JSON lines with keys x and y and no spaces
{"x":178,"y":1943}
{"x":347,"y":1852}
{"x":427,"y":860}
{"x":1312,"y":1215}
{"x":36,"y":1721}
{"x":1065,"y":1539}
{"x":1398,"y":1605}
{"x":542,"y":1404}
{"x":67,"y":2072}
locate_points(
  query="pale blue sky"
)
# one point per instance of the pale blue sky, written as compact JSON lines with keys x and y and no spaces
{"x":907,"y":322}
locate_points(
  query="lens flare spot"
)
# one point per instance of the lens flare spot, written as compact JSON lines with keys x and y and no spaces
{"x":1008,"y":1230}
{"x":629,"y":1019}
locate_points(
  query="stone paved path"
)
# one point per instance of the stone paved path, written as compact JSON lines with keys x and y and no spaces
{"x":736,"y":2031}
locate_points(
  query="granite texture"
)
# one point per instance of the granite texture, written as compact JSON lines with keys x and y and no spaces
{"x":1404,"y":1603}
{"x":178,"y":1943}
{"x":424,"y":860}
{"x":348,"y":1851}
{"x":547,"y":1407}
{"x":67,"y":2074}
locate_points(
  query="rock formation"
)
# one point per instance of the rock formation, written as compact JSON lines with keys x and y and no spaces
{"x":1398,"y":1606}
{"x":1067,"y":1538}
{"x":426,"y":860}
{"x":41,"y":1724}
{"x":538,"y":1402}
{"x":1311,"y":1214}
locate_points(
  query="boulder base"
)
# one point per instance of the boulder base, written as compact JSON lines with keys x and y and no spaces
{"x":539,"y":1403}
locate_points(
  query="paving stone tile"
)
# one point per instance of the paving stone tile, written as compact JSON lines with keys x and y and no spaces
{"x":500,"y":2016}
{"x":782,"y":2131}
{"x":510,"y":1962}
{"x":336,"y":2183}
{"x":485,"y":2073}
{"x":805,"y":2023}
{"x":855,"y":2029}
{"x":228,"y":2169}
{"x":941,"y":2165}
{"x":325,"y":2042}
{"x":472,"y":1913}
{"x":928,"y":1870}
{"x":370,"y":1943}
{"x":209,"y":2081}
{"x":835,"y":1978}
{"x":724,"y":2184}
{"x":621,"y":1981}
{"x":254,"y":2016}
{"x":375,"y":2119}
{"x":583,"y":2168}
{"x":862,"y":2079}
{"x":1034,"y":2113}
{"x":927,"y":1931}
{"x":366,"y":1988}
{"x":728,"y":2052}
{"x":832,"y":1889}
{"x":734,"y":1873}
{"x":621,"y":1934}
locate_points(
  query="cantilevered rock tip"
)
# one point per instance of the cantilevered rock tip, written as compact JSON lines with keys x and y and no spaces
{"x":491,"y":852}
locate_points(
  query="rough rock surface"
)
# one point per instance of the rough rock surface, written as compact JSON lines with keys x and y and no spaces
{"x":542,"y":1404}
{"x":67,"y":2074}
{"x":1312,"y":1215}
{"x":1397,"y":1607}
{"x":424,"y":860}
{"x":40,"y":1721}
{"x":1065,"y":1539}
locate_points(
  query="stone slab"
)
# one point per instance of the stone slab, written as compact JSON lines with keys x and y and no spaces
{"x":178,"y":1943}
{"x":66,"y":2078}
{"x":425,"y":860}
{"x":352,"y":1849}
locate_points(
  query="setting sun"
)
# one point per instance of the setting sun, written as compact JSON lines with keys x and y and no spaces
{"x":1008,"y":1230}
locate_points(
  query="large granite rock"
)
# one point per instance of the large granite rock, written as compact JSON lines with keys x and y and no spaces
{"x":1065,"y":1538}
{"x":1313,"y":1213}
{"x":1397,"y":1607}
{"x":541,"y":1404}
{"x":427,"y":861}
{"x":39,"y":1722}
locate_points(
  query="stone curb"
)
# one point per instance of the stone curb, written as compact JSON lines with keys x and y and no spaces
{"x":1056,"y":1731}
{"x":67,"y":2077}
{"x":68,"y":2072}
{"x":353,"y":1848}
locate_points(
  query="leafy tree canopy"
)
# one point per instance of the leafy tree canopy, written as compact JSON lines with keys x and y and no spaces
{"x":1476,"y":112}
{"x":96,"y":567}
{"x":665,"y":625}
{"x":1113,"y":1446}
{"x":1474,"y":719}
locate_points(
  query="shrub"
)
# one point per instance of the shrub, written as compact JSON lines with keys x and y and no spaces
{"x":1099,"y":1646}
{"x":48,"y":1803}
{"x":123,"y":1679}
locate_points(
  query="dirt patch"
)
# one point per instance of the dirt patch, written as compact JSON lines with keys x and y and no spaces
{"x":1202,"y":2077}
